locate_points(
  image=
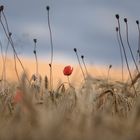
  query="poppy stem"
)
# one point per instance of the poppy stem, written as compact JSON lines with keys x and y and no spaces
{"x":138,"y":51}
{"x":51,"y":42}
{"x":6,"y":31}
{"x":121,"y":53}
{"x":75,"y":50}
{"x":68,"y":80}
{"x":82,"y":57}
{"x":125,"y":56}
{"x":110,"y":66}
{"x":125,"y":20}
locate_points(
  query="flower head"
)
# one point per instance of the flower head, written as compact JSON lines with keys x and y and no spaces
{"x":117,"y":16}
{"x":137,"y":21}
{"x":35,"y":40}
{"x":68,"y":70}
{"x":48,"y":8}
{"x":75,"y":49}
{"x":125,"y":20}
{"x":18,"y":97}
{"x":82,"y":56}
{"x":1,"y":8}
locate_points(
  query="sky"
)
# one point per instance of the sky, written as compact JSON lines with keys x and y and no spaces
{"x":88,"y":25}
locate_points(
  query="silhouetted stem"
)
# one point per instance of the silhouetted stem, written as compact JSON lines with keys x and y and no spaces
{"x":80,"y":65}
{"x":51,"y":42}
{"x":125,"y":56}
{"x":130,"y":48}
{"x":138,"y":51}
{"x":121,"y":53}
{"x":35,"y":53}
{"x":84,"y":65}
{"x":2,"y":59}
{"x":110,"y":66}
{"x":11,"y":42}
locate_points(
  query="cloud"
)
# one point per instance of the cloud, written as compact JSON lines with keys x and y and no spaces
{"x":85,"y":24}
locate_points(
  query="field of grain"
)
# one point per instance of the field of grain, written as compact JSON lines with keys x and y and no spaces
{"x":48,"y":100}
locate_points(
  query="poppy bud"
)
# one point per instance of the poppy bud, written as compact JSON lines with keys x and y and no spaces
{"x":10,"y":34}
{"x":50,"y":65}
{"x":35,"y":40}
{"x":1,"y":8}
{"x":34,"y":51}
{"x":110,"y":66}
{"x":75,"y":49}
{"x":125,"y":20}
{"x":82,"y":56}
{"x":137,"y":21}
{"x":117,"y":29}
{"x":48,"y":8}
{"x":117,"y":16}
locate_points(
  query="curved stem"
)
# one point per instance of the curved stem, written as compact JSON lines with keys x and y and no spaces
{"x":131,"y":49}
{"x":12,"y":44}
{"x":80,"y":66}
{"x":51,"y":61}
{"x":121,"y":54}
{"x":85,"y":66}
{"x":138,"y":51}
{"x":125,"y":56}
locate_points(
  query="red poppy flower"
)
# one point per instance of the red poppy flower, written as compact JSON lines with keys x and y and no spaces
{"x":18,"y":97}
{"x":67,"y":70}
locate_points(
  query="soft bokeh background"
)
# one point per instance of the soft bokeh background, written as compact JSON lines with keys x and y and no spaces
{"x":88,"y":25}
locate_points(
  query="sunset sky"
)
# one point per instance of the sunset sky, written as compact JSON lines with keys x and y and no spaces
{"x":88,"y":25}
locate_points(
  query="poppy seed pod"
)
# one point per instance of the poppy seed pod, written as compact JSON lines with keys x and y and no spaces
{"x":110,"y":66}
{"x":50,"y":65}
{"x":125,"y":20}
{"x":10,"y":34}
{"x":34,"y":51}
{"x":35,"y":40}
{"x":117,"y":16}
{"x":48,"y":8}
{"x":82,"y":56}
{"x":137,"y":21}
{"x":68,"y":70}
{"x":75,"y":49}
{"x":117,"y":29}
{"x":1,"y":8}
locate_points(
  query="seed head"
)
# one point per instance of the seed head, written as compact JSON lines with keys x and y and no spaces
{"x":47,"y":8}
{"x":125,"y":20}
{"x":34,"y":51}
{"x":117,"y":16}
{"x":75,"y":49}
{"x":137,"y":21}
{"x":10,"y":34}
{"x":35,"y":40}
{"x":110,"y":66}
{"x":117,"y":29}
{"x":50,"y":65}
{"x":82,"y":56}
{"x":1,"y":8}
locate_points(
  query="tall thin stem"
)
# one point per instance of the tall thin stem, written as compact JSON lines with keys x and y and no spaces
{"x":82,"y":57}
{"x":10,"y":40}
{"x":35,"y":41}
{"x":125,"y":56}
{"x":51,"y":43}
{"x":108,"y":72}
{"x":138,"y":51}
{"x":1,"y":48}
{"x":125,"y":20}
{"x":75,"y":50}
{"x":121,"y":53}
